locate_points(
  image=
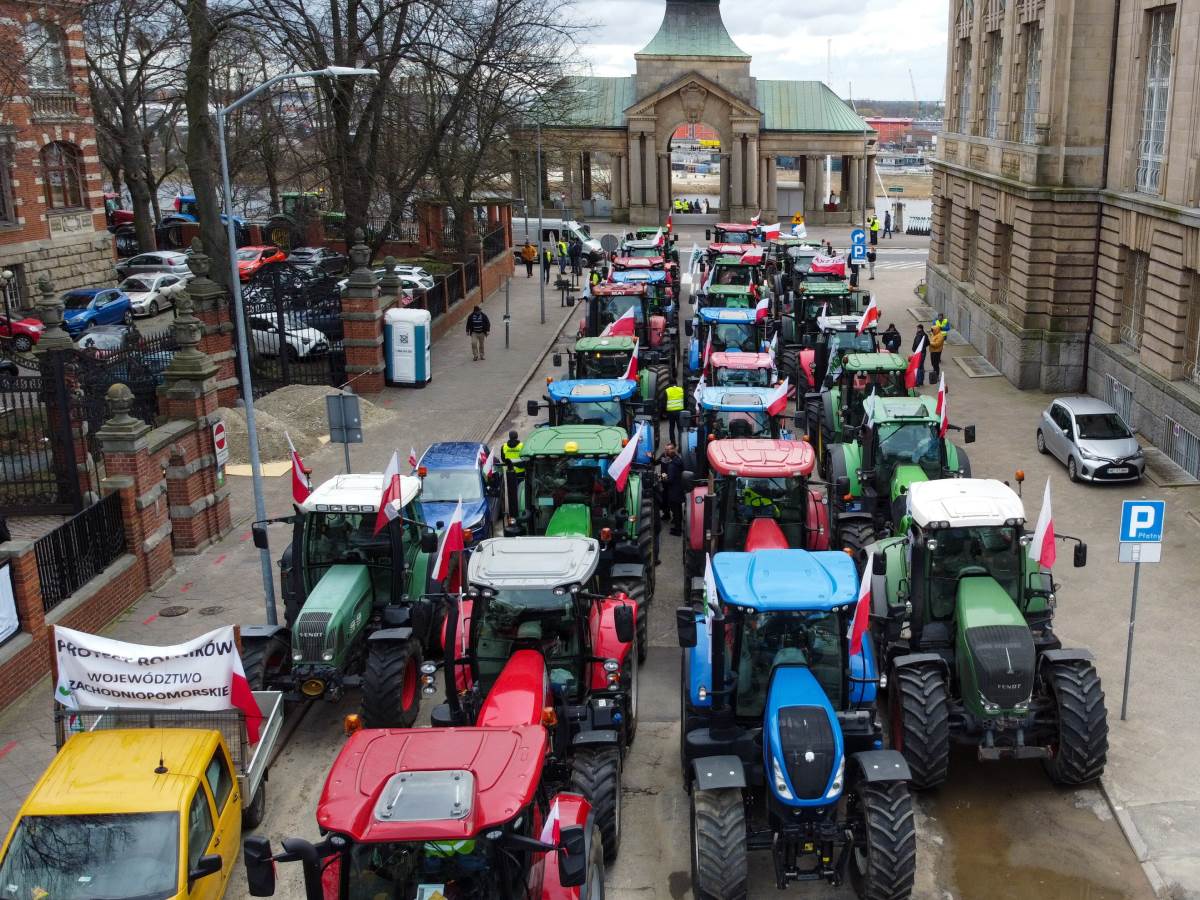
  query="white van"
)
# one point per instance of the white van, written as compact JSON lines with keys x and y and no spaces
{"x":552,"y":231}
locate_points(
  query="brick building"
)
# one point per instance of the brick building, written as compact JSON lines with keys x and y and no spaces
{"x":891,"y":130}
{"x":51,"y":198}
{"x":1066,"y":227}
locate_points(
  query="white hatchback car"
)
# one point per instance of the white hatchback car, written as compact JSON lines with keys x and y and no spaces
{"x":299,"y":340}
{"x":152,"y":292}
{"x":1091,"y":439}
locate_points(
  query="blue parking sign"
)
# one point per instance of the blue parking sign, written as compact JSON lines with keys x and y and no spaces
{"x":1142,"y":521}
{"x":858,"y":254}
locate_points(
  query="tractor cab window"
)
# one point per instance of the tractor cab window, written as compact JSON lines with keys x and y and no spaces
{"x":738,"y":276}
{"x":606,"y":365}
{"x":332,"y":538}
{"x":535,"y":619}
{"x":467,"y":868}
{"x":735,"y":336}
{"x":642,"y":252}
{"x":765,"y":640}
{"x":844,"y":342}
{"x":781,"y":499}
{"x":449,"y":485}
{"x":727,"y":377}
{"x":726,"y":424}
{"x":907,"y":443}
{"x":612,"y":308}
{"x":861,"y":385}
{"x":957,"y":552}
{"x":558,"y":480}
{"x":606,"y":412}
{"x":735,"y":237}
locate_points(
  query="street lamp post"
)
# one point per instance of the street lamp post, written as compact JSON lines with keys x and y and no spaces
{"x":235,"y":287}
{"x":541,"y":253}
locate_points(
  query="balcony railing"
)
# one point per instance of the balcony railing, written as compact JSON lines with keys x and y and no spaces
{"x":50,"y":105}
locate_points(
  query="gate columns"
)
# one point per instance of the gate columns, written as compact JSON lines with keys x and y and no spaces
{"x":362,"y":317}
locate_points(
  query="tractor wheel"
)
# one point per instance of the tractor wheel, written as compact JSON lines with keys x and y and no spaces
{"x":812,"y":419}
{"x":789,"y":368}
{"x":263,"y":659}
{"x":645,"y":538}
{"x":964,"y":462}
{"x":1081,"y":750}
{"x":391,"y":689}
{"x":596,"y":773}
{"x":918,"y":706}
{"x":636,"y":590}
{"x":693,"y":564}
{"x":662,"y":378}
{"x":719,"y":870}
{"x":885,"y":867}
{"x":253,"y":812}
{"x":632,"y":670}
{"x":854,"y":536}
{"x":595,"y":867}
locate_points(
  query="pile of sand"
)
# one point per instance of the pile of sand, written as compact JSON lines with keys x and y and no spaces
{"x":302,"y":406}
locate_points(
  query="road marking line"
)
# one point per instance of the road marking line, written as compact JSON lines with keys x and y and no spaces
{"x":7,"y":749}
{"x":149,"y":619}
{"x":220,"y":559}
{"x":187,"y":587}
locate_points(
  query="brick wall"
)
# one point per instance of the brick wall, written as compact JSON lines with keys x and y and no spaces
{"x":491,"y":279}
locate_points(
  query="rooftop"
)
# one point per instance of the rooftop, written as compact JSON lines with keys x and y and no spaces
{"x":693,"y":28}
{"x":786,"y":579}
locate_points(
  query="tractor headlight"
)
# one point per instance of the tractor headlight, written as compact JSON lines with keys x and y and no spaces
{"x":611,"y":665}
{"x":988,"y":705}
{"x":297,"y":656}
{"x":781,"y":787}
{"x":835,"y":789}
{"x":327,"y":656}
{"x":428,"y":668}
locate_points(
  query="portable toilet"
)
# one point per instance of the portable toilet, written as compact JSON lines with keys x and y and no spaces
{"x":407,"y":338}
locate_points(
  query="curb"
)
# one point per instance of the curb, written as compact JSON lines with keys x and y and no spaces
{"x":1137,"y":843}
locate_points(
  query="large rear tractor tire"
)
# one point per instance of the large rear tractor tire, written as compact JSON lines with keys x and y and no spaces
{"x":885,"y":868}
{"x":719,"y":870}
{"x":964,"y":462}
{"x":920,"y":722}
{"x":596,"y":773}
{"x":636,"y":590}
{"x":264,"y":659}
{"x":1082,"y":747}
{"x":645,"y":538}
{"x":812,"y":420}
{"x":662,"y":381}
{"x":855,"y":536}
{"x":595,"y":867}
{"x":391,"y":688}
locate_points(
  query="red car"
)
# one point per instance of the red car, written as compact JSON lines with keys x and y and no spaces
{"x":251,"y":259}
{"x":23,"y":333}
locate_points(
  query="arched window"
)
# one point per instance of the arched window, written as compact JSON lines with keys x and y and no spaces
{"x":46,"y":50}
{"x":62,"y":176}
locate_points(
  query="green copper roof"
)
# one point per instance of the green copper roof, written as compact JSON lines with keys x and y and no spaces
{"x":805,"y":106}
{"x":693,"y":28}
{"x":585,"y":101}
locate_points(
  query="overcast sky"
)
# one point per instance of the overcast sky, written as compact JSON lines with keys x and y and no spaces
{"x":874,"y":44}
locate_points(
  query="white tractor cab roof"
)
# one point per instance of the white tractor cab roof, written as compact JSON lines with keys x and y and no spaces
{"x":533,"y":562}
{"x":838,"y":323}
{"x":964,"y":503}
{"x":358,"y":493}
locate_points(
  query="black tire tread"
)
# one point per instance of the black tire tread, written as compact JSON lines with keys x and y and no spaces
{"x":254,"y":660}
{"x":719,"y":854}
{"x":925,"y":721}
{"x":383,"y":685}
{"x":596,"y":773}
{"x":891,"y":833}
{"x":1082,"y":723}
{"x":636,"y":589}
{"x":855,"y":535}
{"x":254,"y":809}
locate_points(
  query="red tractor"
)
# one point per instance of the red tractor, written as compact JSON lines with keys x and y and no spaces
{"x":463,"y":814}
{"x":757,"y":497}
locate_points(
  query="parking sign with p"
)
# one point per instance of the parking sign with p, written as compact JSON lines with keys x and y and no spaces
{"x":1142,"y":521}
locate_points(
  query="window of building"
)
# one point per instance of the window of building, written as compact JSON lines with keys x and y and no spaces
{"x":12,"y":300}
{"x":45,"y":48}
{"x":8,"y":206}
{"x":995,"y":73}
{"x":1003,"y":257}
{"x":62,"y":176}
{"x":1191,"y":344}
{"x":970,"y":245}
{"x":964,"y":86}
{"x":1153,"y":141}
{"x":1133,"y":298}
{"x":1030,"y":100}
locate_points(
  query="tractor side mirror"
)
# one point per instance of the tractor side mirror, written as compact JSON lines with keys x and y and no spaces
{"x":557,"y":360}
{"x":572,"y":861}
{"x":260,"y":867}
{"x":259,"y":532}
{"x":866,"y":300}
{"x":209,"y":864}
{"x":969,"y":434}
{"x":685,"y":624}
{"x":842,"y":486}
{"x":878,"y":564}
{"x":687,"y":327}
{"x":708,"y":234}
{"x":429,"y":542}
{"x":623,"y":623}
{"x":1080,"y":555}
{"x":688,"y":481}
{"x":531,"y":408}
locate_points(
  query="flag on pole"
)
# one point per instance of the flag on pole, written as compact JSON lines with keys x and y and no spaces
{"x":862,"y":610}
{"x":697,"y":255}
{"x":870,"y":316}
{"x":1041,"y":548}
{"x":626,"y":324}
{"x":552,"y":829}
{"x":700,"y":386}
{"x":762,"y":308}
{"x":869,"y":409}
{"x":487,"y":460}
{"x":670,"y":222}
{"x":706,"y":358}
{"x":754,"y":220}
{"x":452,"y":542}
{"x":777,"y":402}
{"x":772,"y":232}
{"x":914,"y":365}
{"x":658,"y":238}
{"x":753,"y":256}
{"x":631,"y":370}
{"x":942,"y":404}
{"x":389,"y":501}
{"x":412,"y":457}
{"x":618,"y":469}
{"x":301,"y":482}
{"x":773,"y":348}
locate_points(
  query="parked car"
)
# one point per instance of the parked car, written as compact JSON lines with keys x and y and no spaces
{"x":8,"y":369}
{"x":170,"y":261}
{"x":412,"y":279}
{"x":22,"y":333}
{"x":1092,"y":439}
{"x":320,"y":260}
{"x":88,"y":307}
{"x":251,"y":259}
{"x":326,"y":318}
{"x":300,"y":340}
{"x":151,"y":293}
{"x":107,"y":340}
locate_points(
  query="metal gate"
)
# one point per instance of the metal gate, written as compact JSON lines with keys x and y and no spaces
{"x":38,"y":474}
{"x":1183,"y":446}
{"x":1120,"y":398}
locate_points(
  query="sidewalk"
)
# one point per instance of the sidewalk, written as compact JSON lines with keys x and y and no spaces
{"x":465,"y":401}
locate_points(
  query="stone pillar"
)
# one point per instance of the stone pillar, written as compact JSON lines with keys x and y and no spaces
{"x":136,"y":475}
{"x":585,"y":163}
{"x":737,"y":177}
{"x":771,"y":201}
{"x":726,"y":189}
{"x":650,"y":211}
{"x":871,"y":183}
{"x":664,"y":183}
{"x":211,"y":307}
{"x":619,"y":201}
{"x":753,"y":197}
{"x":362,"y":316}
{"x":570,"y":168}
{"x":637,"y":185}
{"x":390,"y":289}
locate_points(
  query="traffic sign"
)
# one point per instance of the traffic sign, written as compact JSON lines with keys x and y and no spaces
{"x":220,"y":443}
{"x":798,"y":219}
{"x":858,"y":236}
{"x":858,"y":254}
{"x":895,"y":190}
{"x":1142,"y":521}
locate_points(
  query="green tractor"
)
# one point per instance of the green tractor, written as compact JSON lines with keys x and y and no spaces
{"x":607,"y":358}
{"x":968,"y":645}
{"x":567,"y":492}
{"x":357,"y":611}
{"x":840,"y":407}
{"x":897,"y":446}
{"x":288,"y":229}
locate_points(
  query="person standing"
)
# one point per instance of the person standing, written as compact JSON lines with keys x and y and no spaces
{"x":512,"y":450}
{"x":529,"y":257}
{"x":874,"y":228}
{"x":478,"y":328}
{"x":920,"y":342}
{"x":891,"y":338}
{"x":670,"y":466}
{"x":937,"y":338}
{"x":942,"y":322}
{"x":576,"y":253}
{"x":547,"y":262}
{"x":562,"y":257}
{"x":674,"y":408}
{"x":887,"y":223}
{"x":871,"y":262}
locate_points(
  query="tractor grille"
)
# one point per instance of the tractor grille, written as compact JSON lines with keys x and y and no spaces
{"x":310,"y":635}
{"x":1004,"y":662}
{"x":809,"y":752}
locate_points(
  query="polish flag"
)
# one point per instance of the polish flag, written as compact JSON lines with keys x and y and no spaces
{"x":658,"y":238}
{"x":914,"y":366}
{"x":762,"y":309}
{"x":552,"y":829}
{"x":412,"y":457}
{"x":710,"y":591}
{"x":943,"y":406}
{"x":753,"y":256}
{"x":1041,"y":548}
{"x":778,"y":400}
{"x":242,"y":697}
{"x":618,"y":469}
{"x":862,"y":611}
{"x":631,"y":370}
{"x":389,"y":502}
{"x":756,"y":219}
{"x":706,"y":358}
{"x":625,"y":325}
{"x":301,"y":482}
{"x":870,"y":316}
{"x":452,"y":542}
{"x":771,"y":232}
{"x":487,"y":459}
{"x":700,"y":386}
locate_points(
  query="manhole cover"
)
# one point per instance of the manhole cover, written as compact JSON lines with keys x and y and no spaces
{"x":210,"y":610}
{"x":977,"y":367}
{"x":171,"y":612}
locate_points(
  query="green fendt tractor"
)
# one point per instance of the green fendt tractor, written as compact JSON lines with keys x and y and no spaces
{"x":967,"y":640}
{"x":567,"y":492}
{"x":356,"y":612}
{"x":838,"y":407}
{"x":897,"y":446}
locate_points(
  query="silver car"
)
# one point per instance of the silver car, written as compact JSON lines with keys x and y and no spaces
{"x":1092,"y":439}
{"x":170,"y":261}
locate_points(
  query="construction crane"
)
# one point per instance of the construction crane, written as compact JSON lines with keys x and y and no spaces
{"x":916,"y":99}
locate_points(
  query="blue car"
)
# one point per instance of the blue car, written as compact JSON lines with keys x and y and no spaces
{"x":460,"y":469}
{"x":87,"y":307}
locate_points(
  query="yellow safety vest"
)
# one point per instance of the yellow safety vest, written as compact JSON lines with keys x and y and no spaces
{"x":674,"y":398}
{"x":512,"y":455}
{"x":755,"y":500}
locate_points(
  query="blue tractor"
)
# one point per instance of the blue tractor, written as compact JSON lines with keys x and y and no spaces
{"x":451,"y":470}
{"x":732,"y":330}
{"x":780,"y":747}
{"x":601,"y":401}
{"x":728,"y":413}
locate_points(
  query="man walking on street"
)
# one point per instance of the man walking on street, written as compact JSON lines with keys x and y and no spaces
{"x":670,"y":465}
{"x":478,"y":327}
{"x":887,"y":223}
{"x":529,"y":257}
{"x":937,"y":338}
{"x":918,"y":339}
{"x":575,"y":251}
{"x":674,"y":408}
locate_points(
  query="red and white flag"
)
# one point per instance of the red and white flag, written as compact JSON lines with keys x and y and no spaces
{"x":552,"y":829}
{"x":777,"y":402}
{"x":943,"y":406}
{"x":301,"y":482}
{"x":618,"y":469}
{"x":914,"y":365}
{"x":706,"y":358}
{"x":412,"y":457}
{"x":452,"y":542}
{"x":762,"y":308}
{"x":389,"y":501}
{"x":487,"y":460}
{"x":659,"y":237}
{"x":753,"y":256}
{"x":1041,"y":548}
{"x":631,"y":370}
{"x":870,"y":316}
{"x":626,"y":325}
{"x":862,"y":611}
{"x":754,"y":220}
{"x":670,"y":223}
{"x":771,"y":232}
{"x":700,"y":386}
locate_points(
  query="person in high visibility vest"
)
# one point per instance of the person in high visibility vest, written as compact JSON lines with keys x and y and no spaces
{"x":674,"y":408}
{"x":512,"y":450}
{"x":756,"y":504}
{"x":595,"y":278}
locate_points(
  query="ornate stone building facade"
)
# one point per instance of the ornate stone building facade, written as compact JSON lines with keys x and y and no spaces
{"x":1066,"y":242}
{"x":692,"y":72}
